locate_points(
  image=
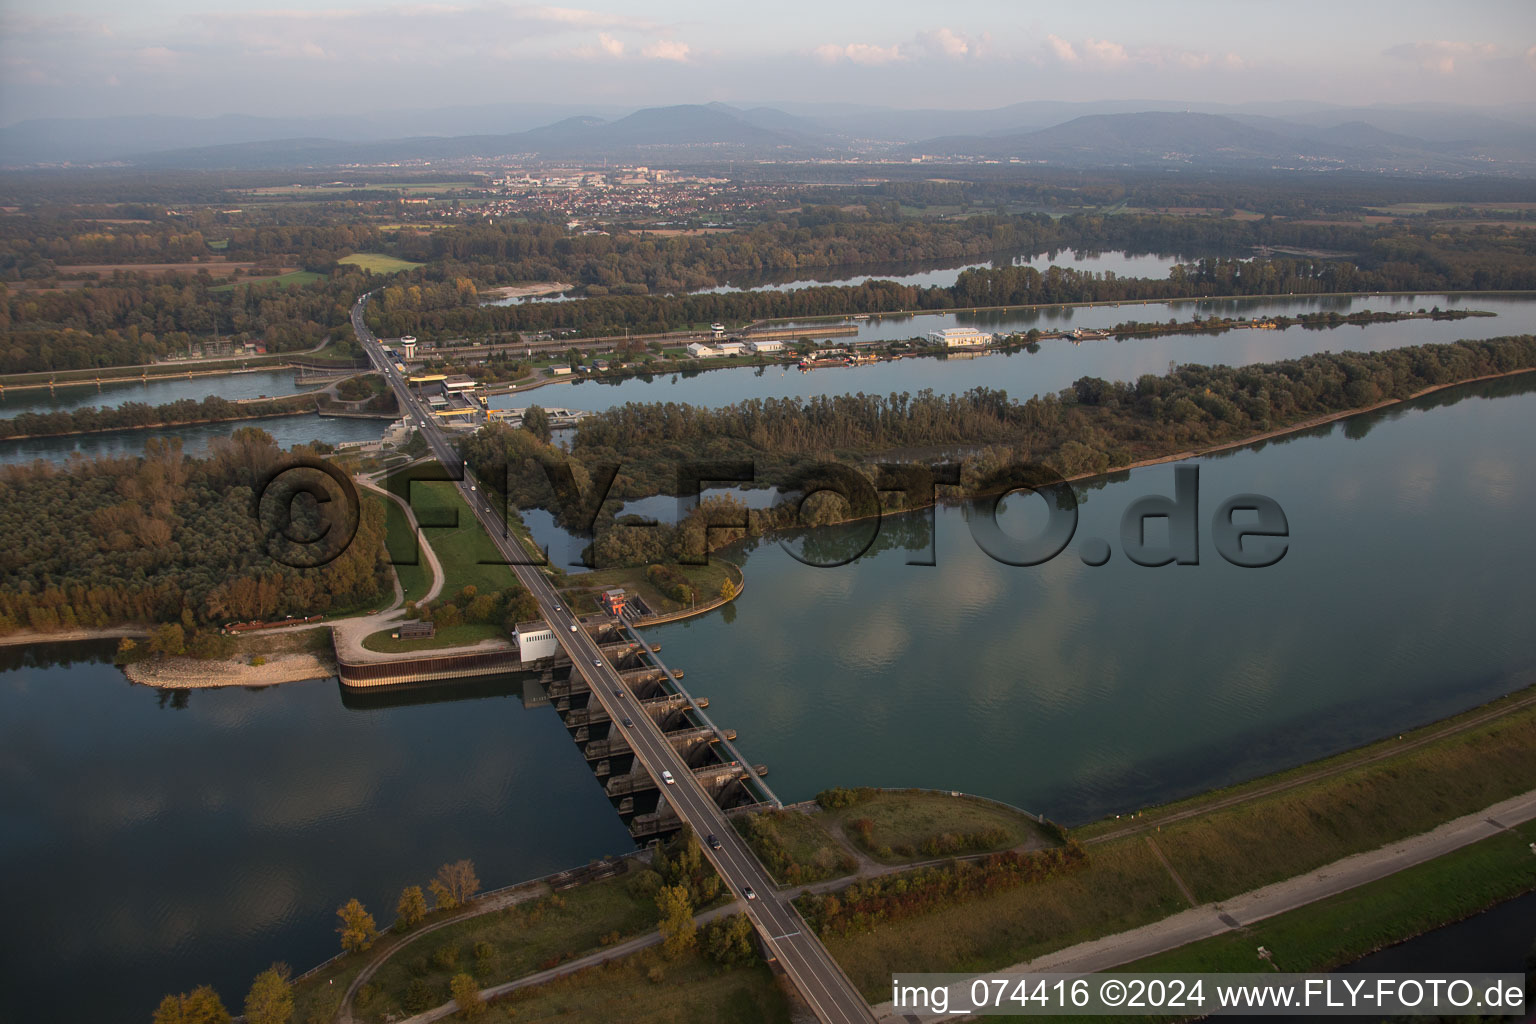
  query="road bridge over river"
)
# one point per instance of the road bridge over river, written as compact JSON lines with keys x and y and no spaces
{"x":823,"y":985}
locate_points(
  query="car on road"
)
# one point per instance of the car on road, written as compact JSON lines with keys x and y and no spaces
{"x":666,"y":777}
{"x":627,"y":723}
{"x":713,"y":841}
{"x":619,"y":693}
{"x":598,"y":662}
{"x":573,"y":627}
{"x":746,"y":891}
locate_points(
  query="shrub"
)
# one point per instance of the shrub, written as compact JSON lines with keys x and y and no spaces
{"x":419,"y":996}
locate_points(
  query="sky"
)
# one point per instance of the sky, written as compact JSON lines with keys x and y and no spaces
{"x":88,"y":58}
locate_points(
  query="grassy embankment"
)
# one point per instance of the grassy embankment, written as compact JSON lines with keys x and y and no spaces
{"x":891,"y":827}
{"x":581,"y":590}
{"x":904,"y":826}
{"x":467,"y":555}
{"x":1345,"y":927}
{"x":378,"y":263}
{"x":647,"y":988}
{"x":1231,"y":842}
{"x":523,"y":939}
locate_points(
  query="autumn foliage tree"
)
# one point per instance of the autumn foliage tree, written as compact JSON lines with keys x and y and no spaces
{"x":200,"y":1006}
{"x":677,"y":928}
{"x":357,"y":927}
{"x":454,"y":885}
{"x":270,"y":1000}
{"x":412,"y":908}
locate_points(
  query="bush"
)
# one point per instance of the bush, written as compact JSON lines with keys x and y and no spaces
{"x":446,"y":957}
{"x":837,"y":797}
{"x":485,"y":952}
{"x":863,"y":905}
{"x":419,"y":996}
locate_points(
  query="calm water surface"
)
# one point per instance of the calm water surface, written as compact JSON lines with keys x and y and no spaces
{"x":184,"y":844}
{"x":1078,"y":691}
{"x":1058,"y":363}
{"x":154,"y":844}
{"x":155,"y":391}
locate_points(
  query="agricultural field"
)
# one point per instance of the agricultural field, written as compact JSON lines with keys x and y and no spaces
{"x":378,"y":263}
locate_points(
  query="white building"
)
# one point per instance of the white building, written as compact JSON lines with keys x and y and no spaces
{"x":408,"y":347}
{"x":535,"y":640}
{"x":699,"y":350}
{"x":731,"y":348}
{"x":960,"y":337}
{"x":766,"y":346}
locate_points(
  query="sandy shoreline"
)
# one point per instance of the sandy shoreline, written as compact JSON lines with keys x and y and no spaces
{"x":192,"y":674}
{"x":64,"y":636}
{"x":523,"y":291}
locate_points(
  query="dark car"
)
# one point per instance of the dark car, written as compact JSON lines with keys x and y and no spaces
{"x":618,"y":693}
{"x":713,"y":841}
{"x":746,"y":891}
{"x":627,"y":723}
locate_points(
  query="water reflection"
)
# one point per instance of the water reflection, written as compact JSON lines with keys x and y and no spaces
{"x":195,"y":837}
{"x":1080,"y":691}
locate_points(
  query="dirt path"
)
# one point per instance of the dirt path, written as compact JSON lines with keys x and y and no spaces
{"x":1211,"y":919}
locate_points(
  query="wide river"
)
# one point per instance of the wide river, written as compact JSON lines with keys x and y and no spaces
{"x":1055,"y":365}
{"x":165,"y":842}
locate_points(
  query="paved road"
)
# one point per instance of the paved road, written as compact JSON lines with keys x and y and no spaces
{"x":821,"y":983}
{"x":1212,"y":919}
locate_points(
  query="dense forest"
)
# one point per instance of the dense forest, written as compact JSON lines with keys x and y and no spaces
{"x":133,"y":319}
{"x":636,"y":280}
{"x":166,"y":538}
{"x":1396,"y":260}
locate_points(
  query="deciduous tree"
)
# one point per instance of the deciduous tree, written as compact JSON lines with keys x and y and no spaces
{"x":357,"y":928}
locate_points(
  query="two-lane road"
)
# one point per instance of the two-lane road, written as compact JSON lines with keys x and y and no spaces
{"x":820,"y":981}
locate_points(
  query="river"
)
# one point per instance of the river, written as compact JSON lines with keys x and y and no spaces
{"x":154,"y":843}
{"x":1057,"y":363}
{"x":184,"y":844}
{"x":153,"y":391}
{"x":1053,"y":366}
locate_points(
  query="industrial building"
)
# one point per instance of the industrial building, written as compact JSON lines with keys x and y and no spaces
{"x":960,"y":337}
{"x":699,"y":350}
{"x":766,"y":346}
{"x":536,"y":640}
{"x":613,"y":601}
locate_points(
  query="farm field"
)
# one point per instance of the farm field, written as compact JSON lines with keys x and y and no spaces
{"x":378,"y":263}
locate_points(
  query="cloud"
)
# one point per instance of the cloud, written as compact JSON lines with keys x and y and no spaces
{"x":945,"y":43}
{"x":609,"y":45}
{"x":1105,"y":52}
{"x":1441,"y":56}
{"x":1064,"y":51}
{"x":666,"y":49}
{"x":860,"y":53}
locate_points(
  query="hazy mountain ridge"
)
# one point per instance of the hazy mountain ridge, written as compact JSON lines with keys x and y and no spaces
{"x":1106,"y":136}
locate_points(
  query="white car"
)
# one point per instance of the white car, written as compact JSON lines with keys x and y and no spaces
{"x":666,"y":777}
{"x":573,"y":627}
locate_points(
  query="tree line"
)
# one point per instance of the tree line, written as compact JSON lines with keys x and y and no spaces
{"x":139,"y":415}
{"x":1463,"y":262}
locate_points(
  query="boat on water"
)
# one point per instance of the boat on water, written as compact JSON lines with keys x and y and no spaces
{"x":861,"y":316}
